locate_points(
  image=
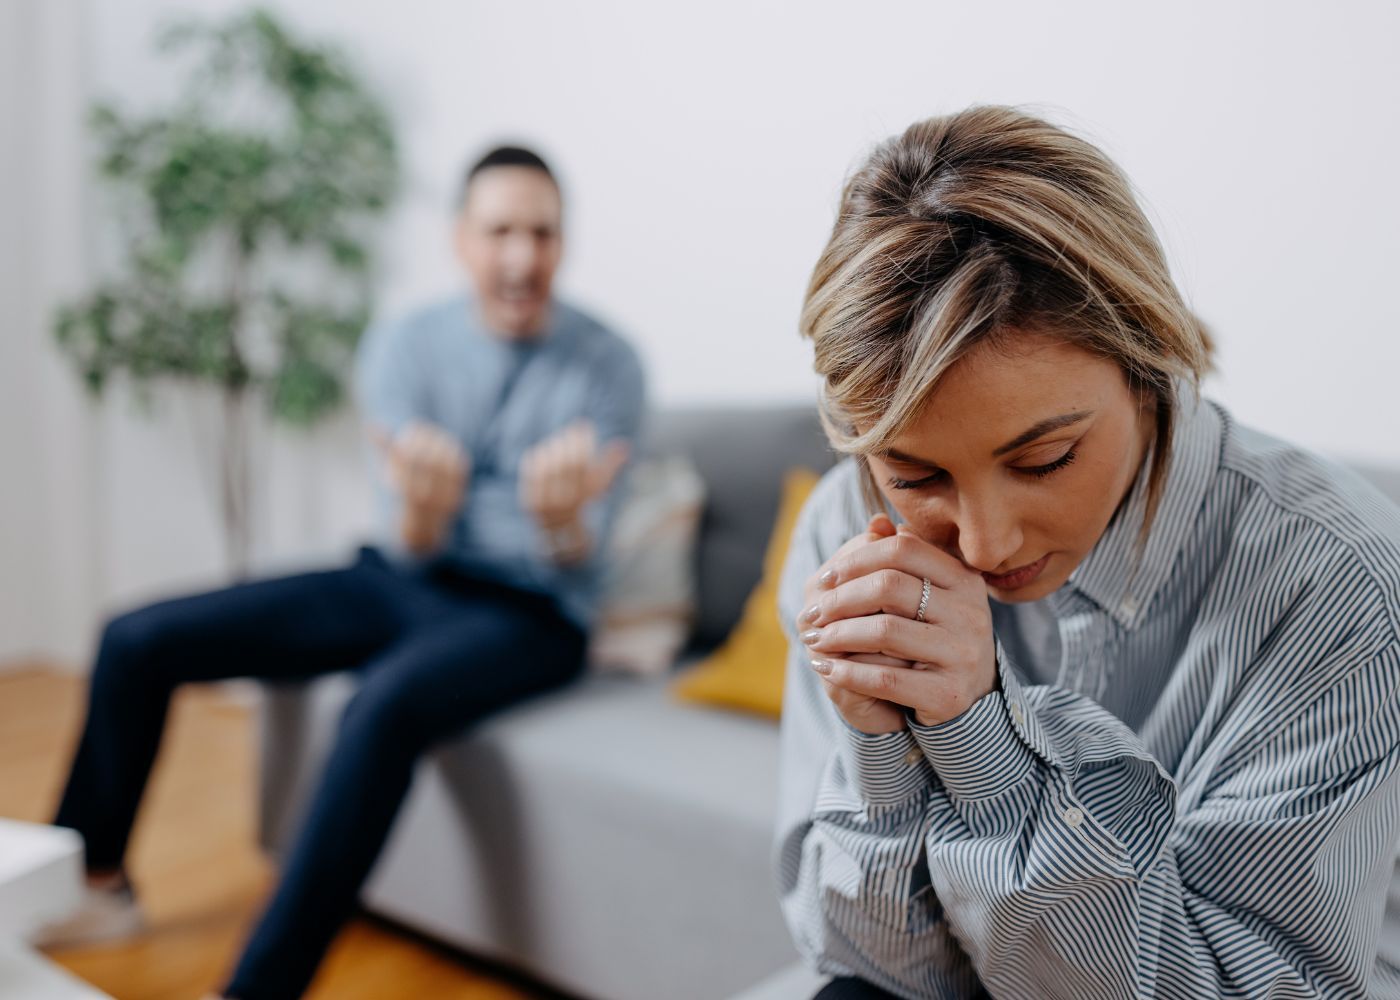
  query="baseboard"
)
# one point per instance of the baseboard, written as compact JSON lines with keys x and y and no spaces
{"x":36,"y":664}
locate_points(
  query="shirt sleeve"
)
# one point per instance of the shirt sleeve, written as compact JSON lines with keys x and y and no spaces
{"x":390,"y":393}
{"x":615,"y":404}
{"x":388,"y":384}
{"x":1069,"y":861}
{"x":852,"y":868}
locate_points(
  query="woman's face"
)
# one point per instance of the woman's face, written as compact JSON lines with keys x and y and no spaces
{"x":1018,"y":461}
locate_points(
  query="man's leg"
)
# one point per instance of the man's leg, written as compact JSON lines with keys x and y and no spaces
{"x":290,"y":627}
{"x":501,"y":649}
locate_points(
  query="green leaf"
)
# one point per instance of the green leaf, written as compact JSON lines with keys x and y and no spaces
{"x":273,"y":154}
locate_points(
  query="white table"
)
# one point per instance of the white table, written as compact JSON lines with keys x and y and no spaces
{"x":41,"y":878}
{"x":25,"y":975}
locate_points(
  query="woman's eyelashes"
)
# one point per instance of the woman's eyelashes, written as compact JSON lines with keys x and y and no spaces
{"x":913,"y":484}
{"x":938,"y":476}
{"x":1041,"y":471}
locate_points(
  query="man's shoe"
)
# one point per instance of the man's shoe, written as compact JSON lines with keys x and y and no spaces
{"x":104,"y":915}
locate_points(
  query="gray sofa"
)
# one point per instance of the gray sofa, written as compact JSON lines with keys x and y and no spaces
{"x":606,"y":839}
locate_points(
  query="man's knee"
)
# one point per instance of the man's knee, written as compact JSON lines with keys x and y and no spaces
{"x":134,"y":644}
{"x":389,"y":716}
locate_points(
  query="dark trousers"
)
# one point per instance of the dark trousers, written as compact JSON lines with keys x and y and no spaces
{"x":435,"y":653}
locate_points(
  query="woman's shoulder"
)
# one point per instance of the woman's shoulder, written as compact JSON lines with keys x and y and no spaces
{"x":833,"y":513}
{"x":1322,"y":522}
{"x":836,"y":508}
{"x":1294,"y":482}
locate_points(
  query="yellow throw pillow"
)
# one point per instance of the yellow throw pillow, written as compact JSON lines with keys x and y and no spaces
{"x":746,"y":672}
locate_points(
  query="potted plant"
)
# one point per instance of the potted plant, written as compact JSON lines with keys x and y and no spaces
{"x":246,"y":210}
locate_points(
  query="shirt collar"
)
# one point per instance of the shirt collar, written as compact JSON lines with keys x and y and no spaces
{"x":1111,"y":575}
{"x":553,"y":331}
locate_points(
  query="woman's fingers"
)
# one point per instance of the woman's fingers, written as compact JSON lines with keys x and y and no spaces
{"x":870,"y":680}
{"x":863,"y":602}
{"x":884,"y":591}
{"x":869,"y":715}
{"x":881,"y":526}
{"x":897,"y":685}
{"x":880,"y":658}
{"x":814,"y":589}
{"x":890,"y":635}
{"x":903,"y":551}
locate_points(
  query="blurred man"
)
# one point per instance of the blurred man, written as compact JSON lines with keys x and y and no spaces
{"x":500,"y":422}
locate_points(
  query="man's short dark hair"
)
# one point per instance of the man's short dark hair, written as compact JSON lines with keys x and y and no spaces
{"x":505,"y":156}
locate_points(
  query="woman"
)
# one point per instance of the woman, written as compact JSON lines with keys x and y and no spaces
{"x":1102,"y":702}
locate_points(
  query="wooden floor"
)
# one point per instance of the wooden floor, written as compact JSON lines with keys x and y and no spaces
{"x":193,"y":858}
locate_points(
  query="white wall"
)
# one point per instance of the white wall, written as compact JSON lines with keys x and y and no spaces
{"x":49,"y":575}
{"x":703,"y":147}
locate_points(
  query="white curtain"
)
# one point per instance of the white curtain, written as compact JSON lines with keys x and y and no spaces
{"x":50,"y":572}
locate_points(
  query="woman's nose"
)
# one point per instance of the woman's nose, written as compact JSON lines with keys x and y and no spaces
{"x":981,"y":534}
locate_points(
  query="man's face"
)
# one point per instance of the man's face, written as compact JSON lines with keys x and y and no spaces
{"x":508,"y":240}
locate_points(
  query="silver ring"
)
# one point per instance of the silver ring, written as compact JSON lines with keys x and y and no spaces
{"x":923,"y":601}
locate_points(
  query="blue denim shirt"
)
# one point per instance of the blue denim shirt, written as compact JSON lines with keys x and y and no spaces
{"x":498,"y":398}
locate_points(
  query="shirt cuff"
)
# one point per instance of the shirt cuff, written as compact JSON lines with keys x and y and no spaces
{"x":886,"y":769}
{"x":977,"y":755}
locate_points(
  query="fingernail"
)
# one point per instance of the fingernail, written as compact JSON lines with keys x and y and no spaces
{"x":811,"y":637}
{"x":812,"y":613}
{"x":827,"y":578}
{"x":822,"y":667}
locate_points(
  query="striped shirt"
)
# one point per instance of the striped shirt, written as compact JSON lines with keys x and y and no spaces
{"x":1188,"y":784}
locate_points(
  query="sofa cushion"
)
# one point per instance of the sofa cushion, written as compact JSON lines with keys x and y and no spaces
{"x":603,"y":838}
{"x":742,"y":455}
{"x":796,"y":982}
{"x":647,"y":602}
{"x":632,"y":739}
{"x":747,"y":671}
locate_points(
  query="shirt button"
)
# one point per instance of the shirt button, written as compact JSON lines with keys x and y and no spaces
{"x":1129,"y":607}
{"x":1017,"y":715}
{"x":913,"y":756}
{"x":1074,"y":817}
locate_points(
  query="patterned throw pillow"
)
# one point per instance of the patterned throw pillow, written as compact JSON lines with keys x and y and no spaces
{"x":648,"y":593}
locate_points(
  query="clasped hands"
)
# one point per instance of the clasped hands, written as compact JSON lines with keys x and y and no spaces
{"x":559,"y":476}
{"x":874,"y":658}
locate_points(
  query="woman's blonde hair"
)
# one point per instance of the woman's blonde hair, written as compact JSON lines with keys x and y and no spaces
{"x":974,"y":226}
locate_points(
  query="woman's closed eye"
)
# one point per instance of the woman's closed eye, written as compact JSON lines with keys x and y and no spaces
{"x":939,"y":475}
{"x":1041,"y":471}
{"x":913,"y":484}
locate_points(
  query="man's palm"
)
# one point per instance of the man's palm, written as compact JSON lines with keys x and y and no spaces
{"x":564,"y":472}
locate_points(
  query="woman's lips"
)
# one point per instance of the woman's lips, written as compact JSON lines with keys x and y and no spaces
{"x":1017,"y":577}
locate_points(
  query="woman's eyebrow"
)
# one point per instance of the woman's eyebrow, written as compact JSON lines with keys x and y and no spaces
{"x":894,"y":455}
{"x":1044,"y":427}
